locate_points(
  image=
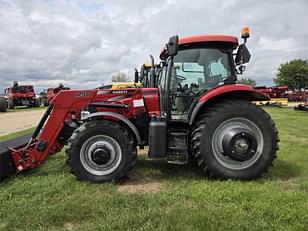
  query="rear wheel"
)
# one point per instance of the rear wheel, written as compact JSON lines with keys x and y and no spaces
{"x":2,"y":104}
{"x":234,"y":139}
{"x":101,"y":151}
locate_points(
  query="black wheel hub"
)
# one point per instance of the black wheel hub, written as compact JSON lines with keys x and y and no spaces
{"x":239,"y":144}
{"x":101,"y":155}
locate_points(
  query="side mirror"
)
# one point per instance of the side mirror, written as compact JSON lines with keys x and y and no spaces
{"x":173,"y":45}
{"x":242,"y":55}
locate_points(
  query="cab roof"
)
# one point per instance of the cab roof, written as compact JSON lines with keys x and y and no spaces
{"x":197,"y":39}
{"x":208,"y":38}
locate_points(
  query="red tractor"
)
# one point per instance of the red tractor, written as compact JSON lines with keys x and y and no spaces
{"x":194,"y":110}
{"x":21,"y":95}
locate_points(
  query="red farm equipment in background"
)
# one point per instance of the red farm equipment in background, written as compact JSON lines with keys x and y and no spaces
{"x":21,"y":95}
{"x":297,"y":96}
{"x":191,"y":109}
{"x":273,"y":92}
{"x":277,"y":95}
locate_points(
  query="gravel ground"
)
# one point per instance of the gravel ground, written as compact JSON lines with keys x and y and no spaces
{"x":18,"y":121}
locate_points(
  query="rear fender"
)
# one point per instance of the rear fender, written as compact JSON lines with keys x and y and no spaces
{"x":232,"y":91}
{"x":116,"y":116}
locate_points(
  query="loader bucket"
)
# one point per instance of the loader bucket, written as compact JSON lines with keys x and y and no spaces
{"x":7,"y":165}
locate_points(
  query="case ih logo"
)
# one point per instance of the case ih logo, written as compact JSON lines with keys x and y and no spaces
{"x":120,"y":92}
{"x":84,"y":94}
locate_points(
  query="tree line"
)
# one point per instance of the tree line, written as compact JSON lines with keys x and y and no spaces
{"x":294,"y":74}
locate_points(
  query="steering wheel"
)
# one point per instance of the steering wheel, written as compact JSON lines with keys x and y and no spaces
{"x":180,"y":77}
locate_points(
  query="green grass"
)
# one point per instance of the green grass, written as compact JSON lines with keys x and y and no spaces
{"x":171,"y":197}
{"x":15,"y":134}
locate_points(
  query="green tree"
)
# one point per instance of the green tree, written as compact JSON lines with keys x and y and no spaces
{"x":119,"y":77}
{"x":294,"y":74}
{"x":247,"y":81}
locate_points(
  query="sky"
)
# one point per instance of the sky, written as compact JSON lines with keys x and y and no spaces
{"x":82,"y":44}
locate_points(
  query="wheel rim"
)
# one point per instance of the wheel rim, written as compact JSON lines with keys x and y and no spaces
{"x":100,"y":155}
{"x":244,"y":144}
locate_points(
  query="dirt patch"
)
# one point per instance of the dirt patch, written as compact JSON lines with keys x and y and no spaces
{"x":141,"y":184}
{"x":18,"y":121}
{"x":288,"y":185}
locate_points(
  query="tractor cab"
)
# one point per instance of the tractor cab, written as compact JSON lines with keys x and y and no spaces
{"x":195,"y":65}
{"x":145,"y":71}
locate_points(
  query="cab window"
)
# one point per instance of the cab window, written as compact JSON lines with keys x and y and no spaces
{"x":194,"y":72}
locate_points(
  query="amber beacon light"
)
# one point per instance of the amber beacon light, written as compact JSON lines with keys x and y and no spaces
{"x":245,"y":32}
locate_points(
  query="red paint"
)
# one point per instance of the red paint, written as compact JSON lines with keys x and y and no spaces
{"x":23,"y":92}
{"x":204,"y":39}
{"x":68,"y":104}
{"x":229,"y":88}
{"x":273,"y":92}
{"x":208,"y":38}
{"x":151,"y":98}
{"x":51,"y":92}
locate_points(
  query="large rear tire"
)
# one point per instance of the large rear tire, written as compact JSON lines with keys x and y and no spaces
{"x":234,"y":139}
{"x":101,"y":151}
{"x":2,"y":104}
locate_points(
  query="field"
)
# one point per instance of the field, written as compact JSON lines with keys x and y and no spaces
{"x":158,"y":196}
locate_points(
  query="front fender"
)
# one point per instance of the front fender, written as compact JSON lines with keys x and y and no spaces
{"x":117,"y":117}
{"x":232,"y":91}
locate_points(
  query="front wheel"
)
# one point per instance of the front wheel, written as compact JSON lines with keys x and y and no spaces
{"x":101,"y":151}
{"x":234,"y":139}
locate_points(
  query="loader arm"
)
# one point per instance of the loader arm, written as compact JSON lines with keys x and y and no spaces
{"x":44,"y":141}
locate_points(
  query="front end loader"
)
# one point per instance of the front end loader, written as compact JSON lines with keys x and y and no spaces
{"x":191,"y":108}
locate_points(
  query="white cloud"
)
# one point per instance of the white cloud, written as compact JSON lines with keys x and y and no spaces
{"x":285,"y":44}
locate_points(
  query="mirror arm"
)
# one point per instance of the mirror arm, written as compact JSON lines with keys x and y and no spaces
{"x":152,"y":73}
